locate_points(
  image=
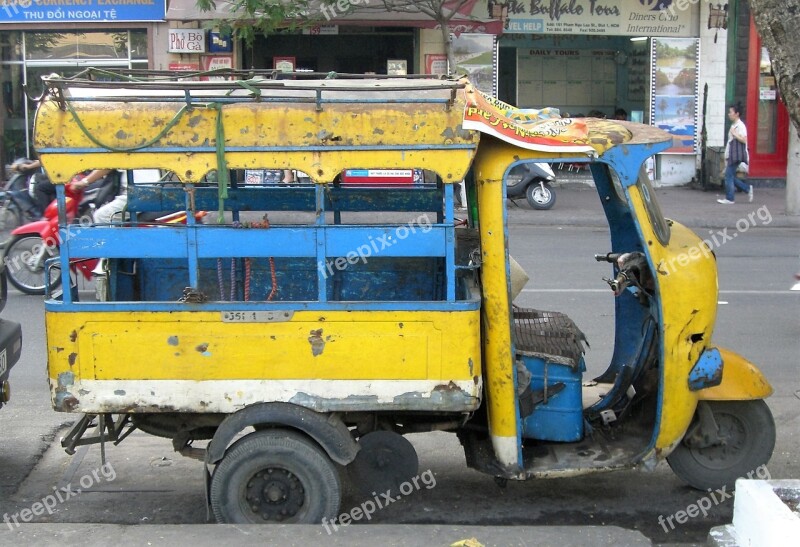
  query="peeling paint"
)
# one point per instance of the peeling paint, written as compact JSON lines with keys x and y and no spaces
{"x":73,"y":336}
{"x":71,"y":359}
{"x":119,"y":392}
{"x":172,"y":340}
{"x":317,"y":343}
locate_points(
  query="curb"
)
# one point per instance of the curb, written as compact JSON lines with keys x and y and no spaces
{"x":367,"y":535}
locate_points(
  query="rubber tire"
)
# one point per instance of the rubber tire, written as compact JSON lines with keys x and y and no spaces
{"x":10,"y":219}
{"x":11,"y":271}
{"x":756,"y":420}
{"x":275,"y":448}
{"x":540,"y":205}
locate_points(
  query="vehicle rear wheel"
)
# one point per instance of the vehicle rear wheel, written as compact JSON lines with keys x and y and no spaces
{"x":275,"y":476}
{"x":10,"y":219}
{"x":25,"y":257}
{"x":746,"y":434}
{"x":540,"y":196}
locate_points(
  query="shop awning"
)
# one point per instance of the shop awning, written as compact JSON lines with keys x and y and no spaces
{"x":470,"y":16}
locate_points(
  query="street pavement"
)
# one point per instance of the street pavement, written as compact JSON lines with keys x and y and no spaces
{"x":577,"y":204}
{"x":144,"y":467}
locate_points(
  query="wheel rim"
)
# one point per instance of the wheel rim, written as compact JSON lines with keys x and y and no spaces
{"x":28,"y":273}
{"x":541,"y":195}
{"x":734,"y":433}
{"x":274,"y":495}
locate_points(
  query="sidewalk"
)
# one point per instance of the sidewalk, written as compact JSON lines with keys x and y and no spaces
{"x":578,"y":204}
{"x":149,"y":495}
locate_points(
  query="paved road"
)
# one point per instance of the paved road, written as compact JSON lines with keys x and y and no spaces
{"x":758,"y":317}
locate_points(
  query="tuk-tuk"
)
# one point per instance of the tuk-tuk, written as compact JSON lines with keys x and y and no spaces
{"x":10,"y":341}
{"x":312,"y":324}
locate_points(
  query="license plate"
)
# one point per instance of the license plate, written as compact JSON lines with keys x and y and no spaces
{"x":3,"y":363}
{"x":256,"y":316}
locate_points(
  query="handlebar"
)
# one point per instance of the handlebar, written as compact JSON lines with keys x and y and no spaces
{"x":608,"y":257}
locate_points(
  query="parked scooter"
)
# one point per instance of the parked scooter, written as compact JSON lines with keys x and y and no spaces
{"x":16,"y":204}
{"x":532,"y":181}
{"x":36,"y":242}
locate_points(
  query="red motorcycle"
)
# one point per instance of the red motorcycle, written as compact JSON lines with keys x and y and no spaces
{"x":34,"y":243}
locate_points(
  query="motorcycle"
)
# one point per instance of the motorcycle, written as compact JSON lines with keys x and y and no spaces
{"x":532,"y":181}
{"x":34,"y":243}
{"x":16,"y":204}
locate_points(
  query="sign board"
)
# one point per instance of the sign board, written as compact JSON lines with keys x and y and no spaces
{"x":215,"y":62}
{"x":570,"y":79}
{"x":85,"y":11}
{"x":322,"y":30}
{"x":284,"y":64}
{"x":184,"y":67}
{"x":219,"y":43}
{"x":187,"y":40}
{"x":378,"y":177}
{"x":396,"y":67}
{"x":435,"y":63}
{"x":603,"y":17}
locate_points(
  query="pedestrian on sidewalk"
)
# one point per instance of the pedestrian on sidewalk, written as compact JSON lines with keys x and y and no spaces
{"x":736,"y":153}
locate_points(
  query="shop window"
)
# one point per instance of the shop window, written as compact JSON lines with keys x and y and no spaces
{"x":10,"y":47}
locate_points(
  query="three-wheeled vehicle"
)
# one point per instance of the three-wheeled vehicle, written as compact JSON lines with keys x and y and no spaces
{"x":313,"y":325}
{"x":10,"y":341}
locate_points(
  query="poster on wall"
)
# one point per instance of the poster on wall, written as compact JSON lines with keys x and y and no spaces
{"x":436,"y":64}
{"x":475,"y":56}
{"x":673,"y":104}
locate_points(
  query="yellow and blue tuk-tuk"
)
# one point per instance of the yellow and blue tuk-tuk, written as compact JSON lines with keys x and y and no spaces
{"x":311,"y":324}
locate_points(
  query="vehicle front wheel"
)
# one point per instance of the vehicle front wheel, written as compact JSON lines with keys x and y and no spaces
{"x":540,"y":196}
{"x":25,"y":257}
{"x":744,"y":444}
{"x":275,"y":476}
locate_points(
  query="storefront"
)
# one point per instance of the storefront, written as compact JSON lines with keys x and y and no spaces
{"x":344,"y":49}
{"x":364,"y":40}
{"x":767,"y":118}
{"x":587,"y":57}
{"x":38,"y":38}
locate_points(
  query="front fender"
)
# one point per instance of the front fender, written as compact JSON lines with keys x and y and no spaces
{"x":39,"y":227}
{"x":329,"y":431}
{"x":741,"y":381}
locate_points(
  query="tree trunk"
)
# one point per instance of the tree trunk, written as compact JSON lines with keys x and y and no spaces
{"x":778,"y":22}
{"x":448,"y":46}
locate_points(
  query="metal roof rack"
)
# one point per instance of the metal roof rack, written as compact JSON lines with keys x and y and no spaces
{"x":227,"y":85}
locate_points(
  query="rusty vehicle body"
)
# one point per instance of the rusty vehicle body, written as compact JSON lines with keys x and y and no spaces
{"x":334,"y":318}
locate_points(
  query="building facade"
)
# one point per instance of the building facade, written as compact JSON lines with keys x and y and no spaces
{"x":660,"y":61}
